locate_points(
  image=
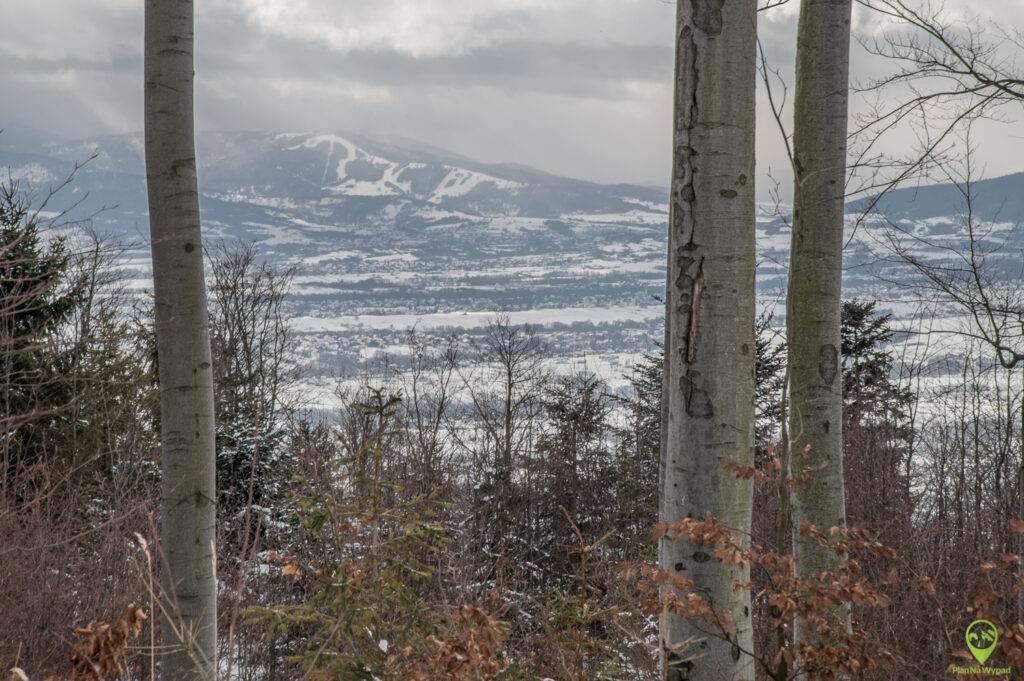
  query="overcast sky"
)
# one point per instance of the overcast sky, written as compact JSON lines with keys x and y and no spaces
{"x":576,"y":87}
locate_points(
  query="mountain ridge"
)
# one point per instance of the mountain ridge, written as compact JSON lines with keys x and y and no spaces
{"x":380,"y":236}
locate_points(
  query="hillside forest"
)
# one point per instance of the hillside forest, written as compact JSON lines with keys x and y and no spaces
{"x":822,"y":489}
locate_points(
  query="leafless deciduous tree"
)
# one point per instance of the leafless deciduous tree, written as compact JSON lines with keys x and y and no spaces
{"x":710,"y":336}
{"x":188,"y":529}
{"x":948,"y":69}
{"x":814,"y":294}
{"x":506,"y":404}
{"x":249,"y":337}
{"x":975,"y":279}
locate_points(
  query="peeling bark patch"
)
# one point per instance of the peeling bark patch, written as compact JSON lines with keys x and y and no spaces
{"x":828,"y":363}
{"x":698,"y":403}
{"x":686,"y":105}
{"x":693,"y":329}
{"x":707,"y":15}
{"x":686,"y":259}
{"x":689,"y":282}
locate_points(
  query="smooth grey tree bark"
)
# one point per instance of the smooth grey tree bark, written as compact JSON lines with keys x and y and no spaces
{"x":710,"y":334}
{"x":814,"y":299}
{"x":189,"y":627}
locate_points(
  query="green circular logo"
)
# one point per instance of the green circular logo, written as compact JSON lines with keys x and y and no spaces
{"x":982,"y":637}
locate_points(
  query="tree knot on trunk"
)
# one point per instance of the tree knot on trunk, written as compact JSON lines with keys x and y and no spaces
{"x":184,"y":167}
{"x":707,"y":15}
{"x":828,"y":363}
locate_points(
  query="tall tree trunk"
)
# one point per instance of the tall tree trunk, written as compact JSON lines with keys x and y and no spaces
{"x":814,"y":299}
{"x":710,"y":359}
{"x":1020,"y":505}
{"x":183,"y":346}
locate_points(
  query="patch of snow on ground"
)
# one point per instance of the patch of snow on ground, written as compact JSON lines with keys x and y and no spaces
{"x":472,"y":320}
{"x":459,"y":182}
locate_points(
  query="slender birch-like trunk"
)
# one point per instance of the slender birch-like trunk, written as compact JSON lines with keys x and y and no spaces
{"x":183,"y":347}
{"x":814,"y":300}
{"x":710,"y":358}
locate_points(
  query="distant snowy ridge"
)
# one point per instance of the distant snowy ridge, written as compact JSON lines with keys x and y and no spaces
{"x":387,"y":236}
{"x":478,"y":319}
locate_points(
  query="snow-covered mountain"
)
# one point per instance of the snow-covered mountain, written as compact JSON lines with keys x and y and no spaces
{"x":347,"y":176}
{"x":386,"y":235}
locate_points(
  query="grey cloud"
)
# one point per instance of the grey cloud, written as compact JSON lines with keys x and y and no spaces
{"x":571,"y":70}
{"x":578,"y":87}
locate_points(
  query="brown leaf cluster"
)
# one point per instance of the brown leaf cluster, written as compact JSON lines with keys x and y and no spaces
{"x":473,"y":650}
{"x":289,"y":564}
{"x":814,"y":602}
{"x":99,"y":653}
{"x":770,"y":473}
